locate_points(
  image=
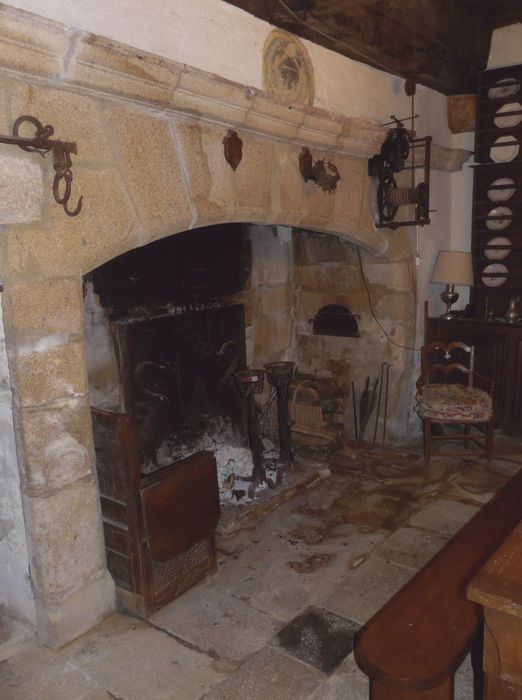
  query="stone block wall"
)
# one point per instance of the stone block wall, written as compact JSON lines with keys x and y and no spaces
{"x":328,"y":271}
{"x":269,"y":297}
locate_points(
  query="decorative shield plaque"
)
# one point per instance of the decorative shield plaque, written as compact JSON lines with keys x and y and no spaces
{"x":233,"y":148}
{"x":287,"y":69}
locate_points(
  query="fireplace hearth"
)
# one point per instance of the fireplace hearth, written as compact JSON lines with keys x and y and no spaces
{"x":185,"y":319}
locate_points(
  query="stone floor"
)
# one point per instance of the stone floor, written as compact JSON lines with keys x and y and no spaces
{"x":276,"y":620}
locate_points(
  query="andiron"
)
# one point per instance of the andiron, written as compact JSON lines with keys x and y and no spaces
{"x":61,"y":151}
{"x":279,"y":375}
{"x":249,"y":383}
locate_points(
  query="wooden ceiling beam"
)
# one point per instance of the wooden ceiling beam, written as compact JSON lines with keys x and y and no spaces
{"x":443,"y":44}
{"x":495,"y":13}
{"x":335,"y":6}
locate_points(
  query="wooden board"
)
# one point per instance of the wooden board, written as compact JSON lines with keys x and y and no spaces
{"x":180,"y":505}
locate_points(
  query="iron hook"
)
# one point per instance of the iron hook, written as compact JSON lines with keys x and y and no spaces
{"x":64,"y":199}
{"x":76,"y":211}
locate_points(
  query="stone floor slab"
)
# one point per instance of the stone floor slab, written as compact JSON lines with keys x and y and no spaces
{"x":133,"y":660}
{"x":39,"y":673}
{"x":98,"y":694}
{"x":286,"y":578}
{"x":364,"y":590}
{"x":347,"y":683}
{"x":410,"y":546}
{"x":270,"y":674}
{"x":217,"y":623}
{"x":464,"y":680}
{"x":474,"y":482}
{"x":443,"y":516}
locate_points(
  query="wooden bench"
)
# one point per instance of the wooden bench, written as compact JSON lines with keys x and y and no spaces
{"x":413,"y":645}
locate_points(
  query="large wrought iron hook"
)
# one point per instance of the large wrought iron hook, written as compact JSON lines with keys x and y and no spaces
{"x":61,"y":150}
{"x":62,"y":165}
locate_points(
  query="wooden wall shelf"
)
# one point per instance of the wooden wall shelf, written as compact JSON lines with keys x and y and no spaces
{"x":497,"y":190}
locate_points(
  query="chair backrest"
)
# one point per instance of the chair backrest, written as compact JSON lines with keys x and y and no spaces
{"x":447,"y":363}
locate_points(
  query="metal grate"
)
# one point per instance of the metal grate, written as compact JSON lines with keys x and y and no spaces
{"x":184,"y":569}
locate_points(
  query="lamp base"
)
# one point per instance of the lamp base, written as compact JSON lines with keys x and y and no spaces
{"x":449,"y":296}
{"x":448,"y":315}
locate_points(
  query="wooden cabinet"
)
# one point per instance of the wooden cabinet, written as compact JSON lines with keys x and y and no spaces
{"x":498,"y":355}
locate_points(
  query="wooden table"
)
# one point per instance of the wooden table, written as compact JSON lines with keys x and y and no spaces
{"x":498,"y":588}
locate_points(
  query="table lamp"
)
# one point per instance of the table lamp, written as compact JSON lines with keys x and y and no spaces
{"x":452,"y":267}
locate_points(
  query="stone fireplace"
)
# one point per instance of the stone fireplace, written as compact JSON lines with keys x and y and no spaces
{"x":150,"y":164}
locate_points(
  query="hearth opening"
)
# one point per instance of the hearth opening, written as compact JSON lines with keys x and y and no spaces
{"x":210,"y":389}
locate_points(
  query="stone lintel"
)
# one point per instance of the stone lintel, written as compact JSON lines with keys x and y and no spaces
{"x":105,"y":67}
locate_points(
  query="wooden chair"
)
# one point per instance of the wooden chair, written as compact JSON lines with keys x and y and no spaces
{"x":447,"y":394}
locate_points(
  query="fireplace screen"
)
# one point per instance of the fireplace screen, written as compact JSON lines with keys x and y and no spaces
{"x":178,"y":382}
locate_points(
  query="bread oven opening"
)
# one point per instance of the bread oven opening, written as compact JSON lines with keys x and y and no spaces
{"x":335,"y":319}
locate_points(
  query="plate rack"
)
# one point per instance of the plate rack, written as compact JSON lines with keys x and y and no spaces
{"x":497,"y":191}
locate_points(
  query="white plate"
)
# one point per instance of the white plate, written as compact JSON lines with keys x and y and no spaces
{"x":510,"y":119}
{"x":503,"y":154}
{"x":502,"y":195}
{"x":494,"y":281}
{"x":499,"y":224}
{"x":499,"y":253}
{"x":499,"y":90}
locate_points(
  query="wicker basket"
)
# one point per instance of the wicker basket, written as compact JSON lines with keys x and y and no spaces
{"x":307,"y":412}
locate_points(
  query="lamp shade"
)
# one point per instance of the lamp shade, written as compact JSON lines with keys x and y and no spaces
{"x":453,"y":267}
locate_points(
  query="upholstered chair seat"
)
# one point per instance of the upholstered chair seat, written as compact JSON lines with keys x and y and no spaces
{"x":454,"y":402}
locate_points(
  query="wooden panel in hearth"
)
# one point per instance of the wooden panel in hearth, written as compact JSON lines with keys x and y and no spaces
{"x":159,"y":529}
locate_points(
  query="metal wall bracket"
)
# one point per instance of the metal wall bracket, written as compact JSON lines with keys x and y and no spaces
{"x":61,"y":152}
{"x":324,"y":173}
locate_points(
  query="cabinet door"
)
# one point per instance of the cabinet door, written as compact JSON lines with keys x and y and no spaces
{"x":516,"y":403}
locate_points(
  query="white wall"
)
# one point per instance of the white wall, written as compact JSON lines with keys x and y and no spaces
{"x":15,"y":589}
{"x":506,"y":46}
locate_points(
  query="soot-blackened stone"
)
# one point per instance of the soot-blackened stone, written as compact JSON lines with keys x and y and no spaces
{"x":319,"y":638}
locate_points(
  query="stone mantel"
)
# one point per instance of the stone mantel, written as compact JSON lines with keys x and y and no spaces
{"x":50,"y":53}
